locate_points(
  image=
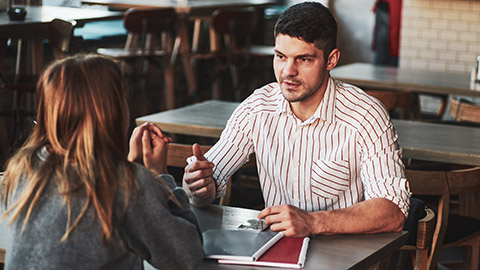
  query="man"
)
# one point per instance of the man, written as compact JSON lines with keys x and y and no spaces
{"x":327,"y":156}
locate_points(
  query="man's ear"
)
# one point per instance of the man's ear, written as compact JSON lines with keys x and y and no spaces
{"x":333,"y":58}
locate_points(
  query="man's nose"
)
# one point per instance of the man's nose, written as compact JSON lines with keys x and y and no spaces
{"x":290,"y":68}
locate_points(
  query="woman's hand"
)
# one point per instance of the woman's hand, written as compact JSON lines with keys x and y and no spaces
{"x":148,"y":143}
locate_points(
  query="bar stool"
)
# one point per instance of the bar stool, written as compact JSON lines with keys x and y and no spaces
{"x":231,"y":32}
{"x":144,"y":26}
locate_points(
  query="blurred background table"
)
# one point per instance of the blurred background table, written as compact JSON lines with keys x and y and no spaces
{"x":190,"y":7}
{"x":404,"y":79}
{"x":419,"y":140}
{"x":34,"y":29}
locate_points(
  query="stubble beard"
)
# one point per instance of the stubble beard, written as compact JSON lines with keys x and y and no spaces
{"x":304,"y":93}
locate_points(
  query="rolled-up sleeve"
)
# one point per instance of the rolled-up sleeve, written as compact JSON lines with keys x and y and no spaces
{"x":382,"y":170}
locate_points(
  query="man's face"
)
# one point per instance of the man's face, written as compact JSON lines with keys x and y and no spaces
{"x":299,"y":67}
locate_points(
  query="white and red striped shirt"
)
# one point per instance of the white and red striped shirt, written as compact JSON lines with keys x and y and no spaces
{"x":345,"y":153}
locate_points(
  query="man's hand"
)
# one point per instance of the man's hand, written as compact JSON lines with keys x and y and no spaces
{"x":150,"y":145}
{"x":198,"y":178}
{"x":375,"y":215}
{"x":290,"y":220}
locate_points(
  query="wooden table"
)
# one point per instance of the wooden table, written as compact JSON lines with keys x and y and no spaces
{"x":324,"y":252}
{"x":406,"y":79}
{"x":197,"y":10}
{"x":35,"y":26}
{"x":190,"y":7}
{"x":42,"y":15}
{"x":419,"y":140}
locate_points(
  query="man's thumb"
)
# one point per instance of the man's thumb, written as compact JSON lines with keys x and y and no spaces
{"x":197,"y":152}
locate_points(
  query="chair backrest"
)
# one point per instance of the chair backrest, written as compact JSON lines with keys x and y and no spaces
{"x":60,"y":36}
{"x":178,"y":154}
{"x":238,"y":21}
{"x":466,"y":184}
{"x":151,"y":20}
{"x":143,"y":24}
{"x":464,"y":111}
{"x":464,"y":181}
{"x":236,"y":26}
{"x":432,"y":183}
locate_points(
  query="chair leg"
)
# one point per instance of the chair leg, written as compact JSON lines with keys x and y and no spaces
{"x":17,"y":117}
{"x":470,"y":256}
{"x":234,"y":72}
{"x":170,"y":87}
{"x":475,"y":254}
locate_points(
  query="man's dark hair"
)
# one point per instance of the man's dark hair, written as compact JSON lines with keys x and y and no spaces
{"x":311,"y":22}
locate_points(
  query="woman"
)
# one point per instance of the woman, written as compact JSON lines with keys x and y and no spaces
{"x":73,"y":199}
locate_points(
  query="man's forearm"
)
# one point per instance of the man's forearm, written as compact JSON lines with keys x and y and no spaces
{"x":371,"y":216}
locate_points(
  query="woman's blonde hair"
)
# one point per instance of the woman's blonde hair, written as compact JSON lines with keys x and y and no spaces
{"x":82,"y":121}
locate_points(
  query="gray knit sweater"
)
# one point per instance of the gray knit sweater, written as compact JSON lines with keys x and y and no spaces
{"x":151,"y":228}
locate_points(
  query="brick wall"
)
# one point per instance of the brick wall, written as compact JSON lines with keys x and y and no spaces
{"x":440,"y":35}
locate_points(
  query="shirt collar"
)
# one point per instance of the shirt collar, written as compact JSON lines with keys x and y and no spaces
{"x":325,"y":110}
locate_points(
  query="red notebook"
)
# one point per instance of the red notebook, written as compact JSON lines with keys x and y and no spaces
{"x":288,"y":252}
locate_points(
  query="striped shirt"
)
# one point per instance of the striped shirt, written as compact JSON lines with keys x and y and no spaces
{"x":345,"y":153}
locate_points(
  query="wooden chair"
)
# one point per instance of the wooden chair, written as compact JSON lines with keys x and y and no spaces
{"x":235,"y":28}
{"x":260,"y":66}
{"x":429,"y":183}
{"x":405,"y":102}
{"x":463,"y":230}
{"x":60,"y":36}
{"x":178,"y":154}
{"x":464,"y":111}
{"x":150,"y":41}
{"x":425,"y":233}
{"x":177,"y":157}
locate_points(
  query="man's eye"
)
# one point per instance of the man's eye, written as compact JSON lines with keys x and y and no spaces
{"x":279,"y":56}
{"x":305,"y":59}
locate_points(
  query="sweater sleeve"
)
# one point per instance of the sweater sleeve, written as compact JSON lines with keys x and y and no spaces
{"x":157,"y":229}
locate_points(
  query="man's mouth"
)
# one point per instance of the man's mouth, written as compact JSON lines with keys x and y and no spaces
{"x":291,"y":83}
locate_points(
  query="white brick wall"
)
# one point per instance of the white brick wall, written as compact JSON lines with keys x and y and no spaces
{"x":440,"y":35}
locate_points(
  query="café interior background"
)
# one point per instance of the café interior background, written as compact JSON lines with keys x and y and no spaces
{"x":441,"y":35}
